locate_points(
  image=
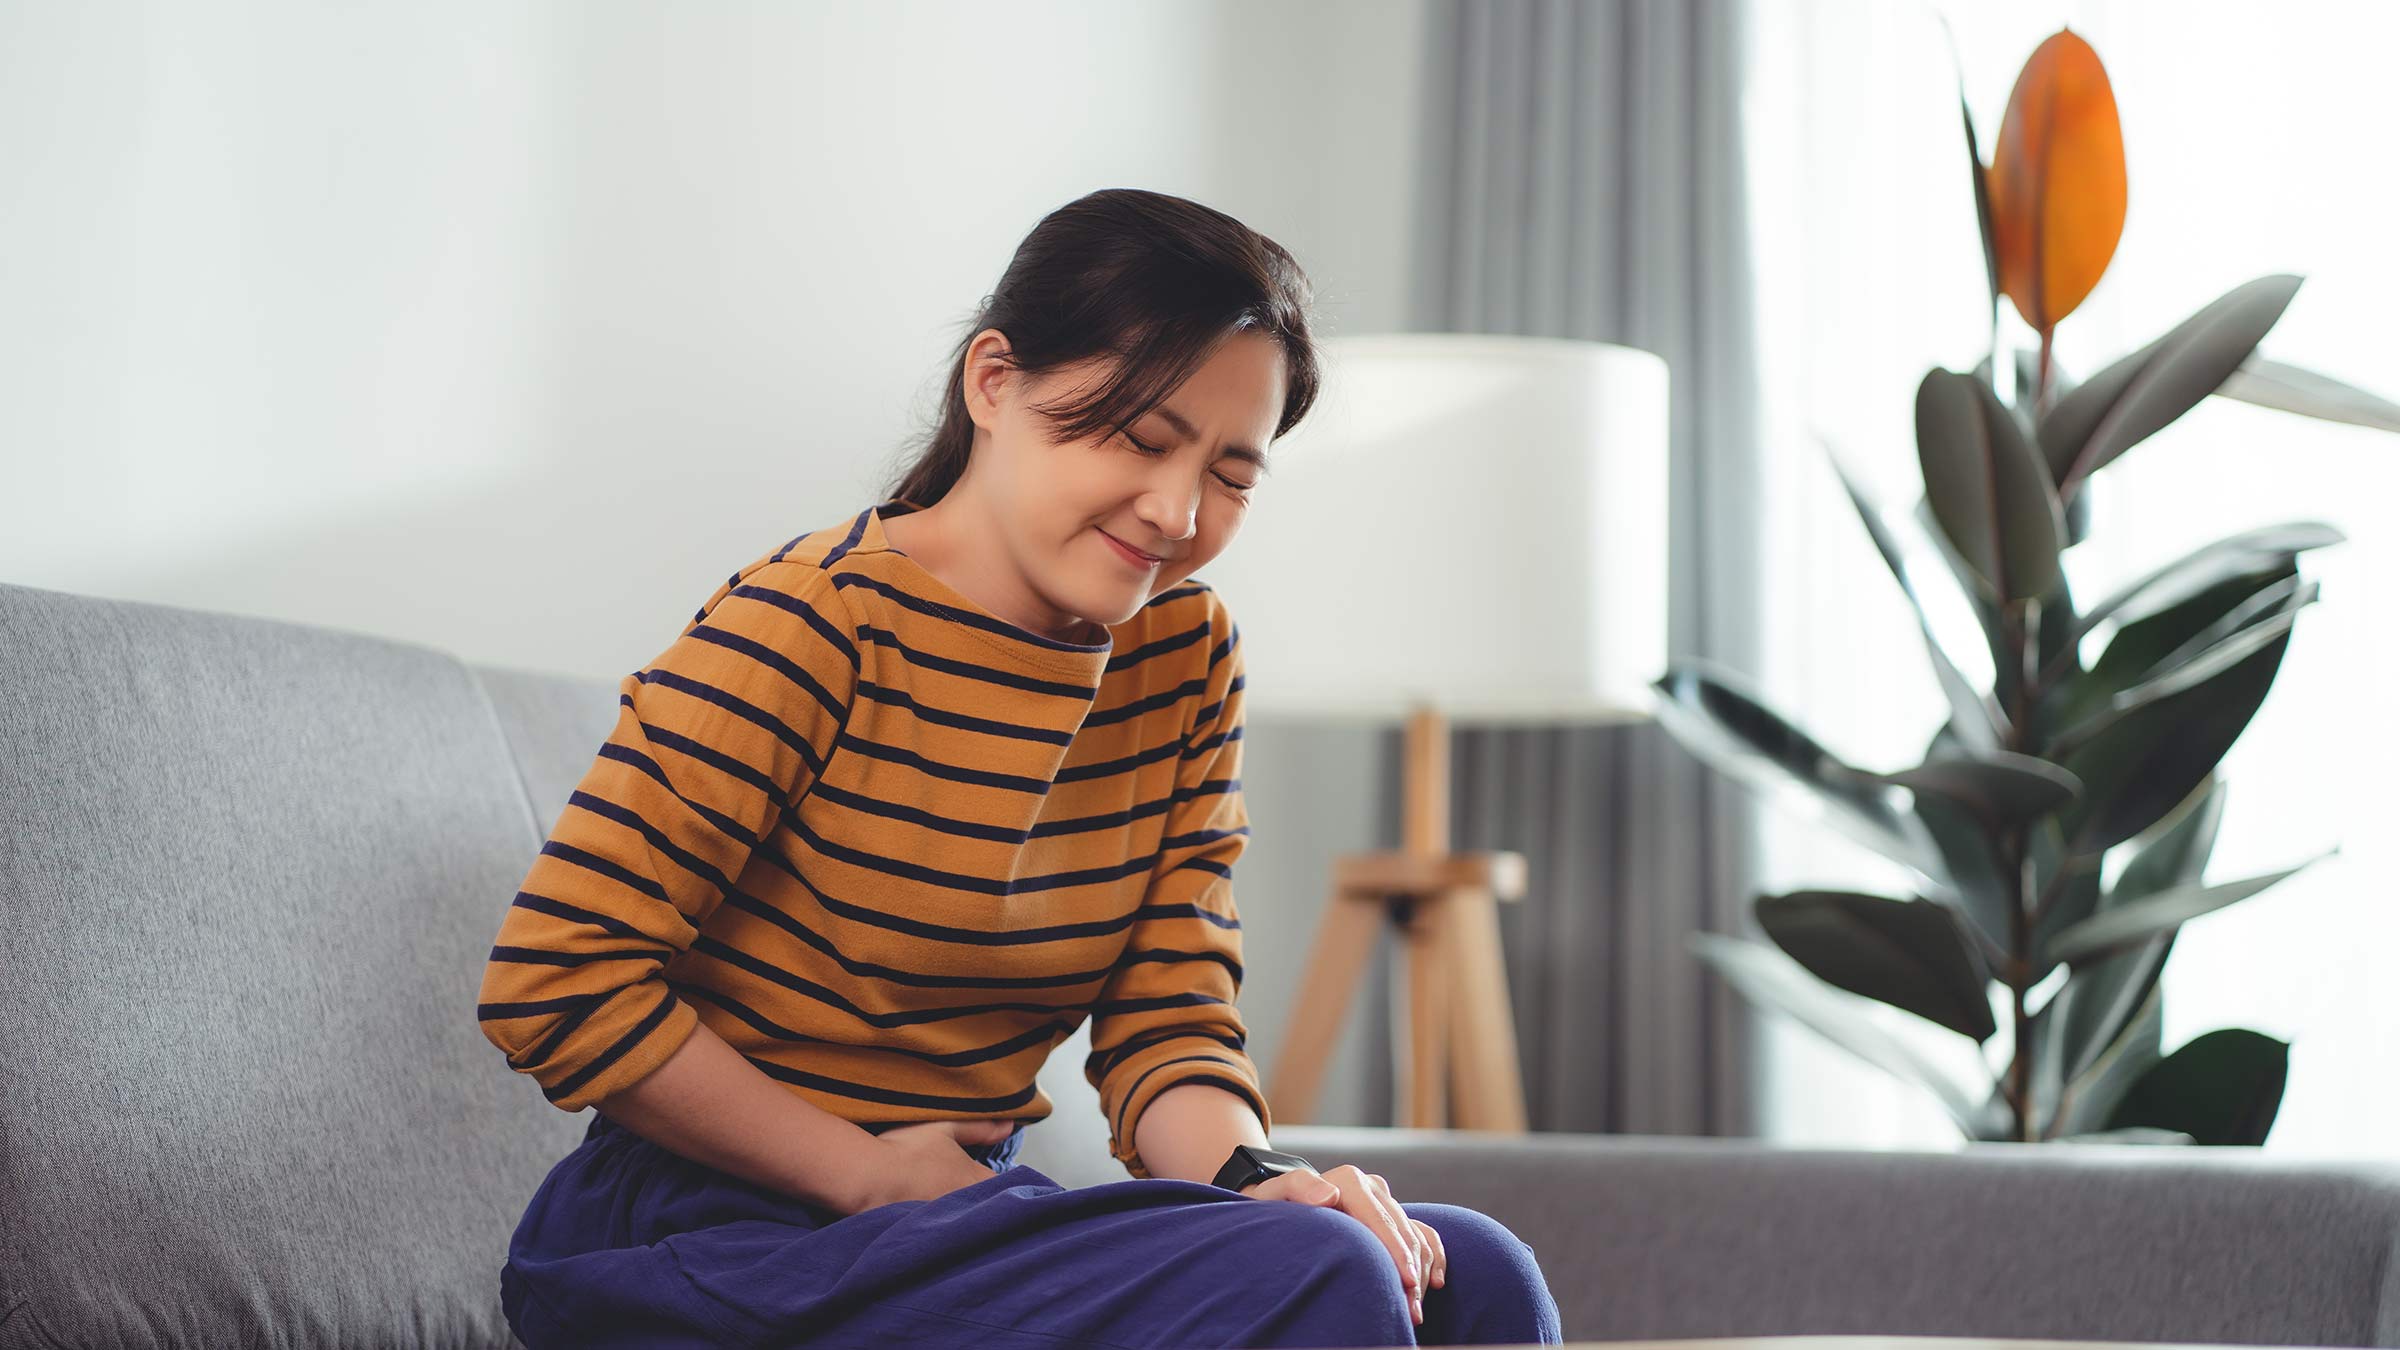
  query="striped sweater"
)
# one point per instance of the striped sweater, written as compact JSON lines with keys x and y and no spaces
{"x":894,"y":848}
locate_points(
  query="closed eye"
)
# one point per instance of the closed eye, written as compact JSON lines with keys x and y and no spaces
{"x":1156,"y":450}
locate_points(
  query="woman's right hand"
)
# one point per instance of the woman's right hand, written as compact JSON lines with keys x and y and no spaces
{"x":928,"y":1160}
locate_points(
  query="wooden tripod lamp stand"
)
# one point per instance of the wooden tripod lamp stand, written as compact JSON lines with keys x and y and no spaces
{"x":1445,"y":905}
{"x":1464,"y":524}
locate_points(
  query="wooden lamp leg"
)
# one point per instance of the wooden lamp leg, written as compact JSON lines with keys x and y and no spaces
{"x":1491,"y":1094}
{"x":1346,"y":935}
{"x":1458,"y":1036}
{"x":1421,"y":1083}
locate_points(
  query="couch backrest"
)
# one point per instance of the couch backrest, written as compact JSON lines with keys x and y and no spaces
{"x":251,"y":872}
{"x":1656,"y":1238}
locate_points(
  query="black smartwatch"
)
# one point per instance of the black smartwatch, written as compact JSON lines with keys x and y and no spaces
{"x":1255,"y":1164}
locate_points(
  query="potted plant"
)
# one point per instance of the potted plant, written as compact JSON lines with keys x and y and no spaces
{"x":2055,"y":763}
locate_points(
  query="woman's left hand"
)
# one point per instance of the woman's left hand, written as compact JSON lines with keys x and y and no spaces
{"x":1415,"y":1246}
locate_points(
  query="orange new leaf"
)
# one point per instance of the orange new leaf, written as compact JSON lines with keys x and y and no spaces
{"x":2057,"y":181}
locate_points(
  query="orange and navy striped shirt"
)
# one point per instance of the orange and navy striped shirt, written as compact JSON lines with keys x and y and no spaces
{"x":894,"y":848}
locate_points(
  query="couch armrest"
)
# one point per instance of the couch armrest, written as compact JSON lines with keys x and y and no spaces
{"x":1654,"y":1237}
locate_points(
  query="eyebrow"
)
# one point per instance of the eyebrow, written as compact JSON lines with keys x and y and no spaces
{"x":1184,"y":428}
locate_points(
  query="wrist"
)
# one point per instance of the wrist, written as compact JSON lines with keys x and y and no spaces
{"x":856,"y":1177}
{"x":1251,"y":1164}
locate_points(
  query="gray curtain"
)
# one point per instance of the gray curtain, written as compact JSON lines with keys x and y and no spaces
{"x":1585,"y":181}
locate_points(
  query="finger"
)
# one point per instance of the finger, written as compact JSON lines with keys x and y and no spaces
{"x":1361,"y":1200}
{"x":1441,"y":1256}
{"x":1419,"y":1254}
{"x":1420,"y":1260}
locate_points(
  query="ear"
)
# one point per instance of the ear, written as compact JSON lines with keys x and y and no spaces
{"x":986,"y":379}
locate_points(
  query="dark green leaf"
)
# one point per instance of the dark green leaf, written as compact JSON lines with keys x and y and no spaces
{"x":1702,"y":706}
{"x":2145,"y":763}
{"x":1989,"y":489}
{"x":2223,"y":1087}
{"x":2044,"y":1053}
{"x":1996,"y":786}
{"x":1976,"y":172}
{"x":1980,"y":601}
{"x":1984,"y":898}
{"x":2087,"y":1013}
{"x":1772,"y":980}
{"x":2096,"y":1093}
{"x":2129,"y":925}
{"x":2124,"y":404}
{"x":1968,"y":706}
{"x":1912,"y":954}
{"x":2140,"y":647}
{"x":2240,"y":633}
{"x":2271,"y":549}
{"x":2179,"y":854}
{"x":2066,"y":885}
{"x":2094,"y":1014}
{"x":2174,"y":858}
{"x":1976,"y":884}
{"x":2272,"y":384}
{"x":2078,"y":514}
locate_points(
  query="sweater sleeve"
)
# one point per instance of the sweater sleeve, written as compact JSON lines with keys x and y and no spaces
{"x":1166,"y":1013}
{"x":714,"y":740}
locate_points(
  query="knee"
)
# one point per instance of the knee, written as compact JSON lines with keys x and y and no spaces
{"x":1475,"y":1241}
{"x":1492,"y":1289}
{"x":1342,"y":1250}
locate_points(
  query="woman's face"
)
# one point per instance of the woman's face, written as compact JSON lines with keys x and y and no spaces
{"x":1175,"y":486}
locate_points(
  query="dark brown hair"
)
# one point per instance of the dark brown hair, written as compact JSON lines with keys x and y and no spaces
{"x":1156,"y":281}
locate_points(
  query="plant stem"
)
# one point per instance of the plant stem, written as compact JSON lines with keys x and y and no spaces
{"x":2020,"y":1067}
{"x":2041,"y":379}
{"x":2017,"y":638}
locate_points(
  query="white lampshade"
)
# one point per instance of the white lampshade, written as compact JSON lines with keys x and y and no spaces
{"x":1472,"y":523}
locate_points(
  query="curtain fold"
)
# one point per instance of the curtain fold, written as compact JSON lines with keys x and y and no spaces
{"x":1585,"y":180}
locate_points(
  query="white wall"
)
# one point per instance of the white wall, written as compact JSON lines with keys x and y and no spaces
{"x":514,"y":328}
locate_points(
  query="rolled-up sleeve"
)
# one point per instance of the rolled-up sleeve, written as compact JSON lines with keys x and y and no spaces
{"x":713,"y":742}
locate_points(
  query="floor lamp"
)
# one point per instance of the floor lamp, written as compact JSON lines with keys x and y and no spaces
{"x":1465,"y":526}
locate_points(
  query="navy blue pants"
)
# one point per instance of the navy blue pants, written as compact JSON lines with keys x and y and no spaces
{"x":628,"y":1244}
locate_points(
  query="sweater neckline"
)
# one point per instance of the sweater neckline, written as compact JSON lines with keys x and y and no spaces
{"x":1014,"y":642}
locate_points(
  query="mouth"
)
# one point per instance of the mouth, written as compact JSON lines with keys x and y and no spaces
{"x":1129,"y":553}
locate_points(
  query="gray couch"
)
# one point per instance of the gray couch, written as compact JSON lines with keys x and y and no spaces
{"x":251,"y":871}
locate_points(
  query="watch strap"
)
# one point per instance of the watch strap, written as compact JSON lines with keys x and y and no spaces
{"x":1248,"y":1165}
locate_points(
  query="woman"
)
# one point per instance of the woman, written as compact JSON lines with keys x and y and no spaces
{"x":913,"y":795}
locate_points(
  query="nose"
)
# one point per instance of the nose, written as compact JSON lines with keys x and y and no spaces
{"x":1172,"y":508}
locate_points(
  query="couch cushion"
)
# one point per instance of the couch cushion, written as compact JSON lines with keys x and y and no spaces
{"x":251,"y":874}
